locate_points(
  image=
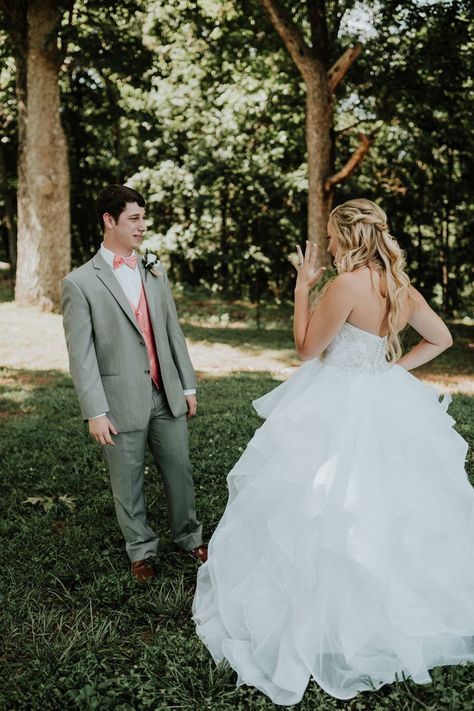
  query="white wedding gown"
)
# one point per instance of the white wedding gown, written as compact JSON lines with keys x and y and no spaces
{"x":345,"y":552}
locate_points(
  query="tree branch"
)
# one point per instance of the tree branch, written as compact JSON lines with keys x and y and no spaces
{"x":339,"y":70}
{"x":291,"y":35}
{"x":352,"y":163}
{"x":346,"y":129}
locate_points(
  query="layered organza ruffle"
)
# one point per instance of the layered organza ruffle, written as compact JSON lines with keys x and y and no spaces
{"x":345,"y":553}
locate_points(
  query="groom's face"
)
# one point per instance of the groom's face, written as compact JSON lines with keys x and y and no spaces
{"x":127,"y":232}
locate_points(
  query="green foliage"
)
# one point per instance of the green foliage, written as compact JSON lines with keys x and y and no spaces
{"x":8,"y":139}
{"x":227,"y":193}
{"x":6,"y":286}
{"x":415,"y":75}
{"x":198,"y":104}
{"x":105,"y":74}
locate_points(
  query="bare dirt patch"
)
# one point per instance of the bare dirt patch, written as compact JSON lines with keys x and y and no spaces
{"x":6,"y":415}
{"x":33,"y":340}
{"x":450,"y":383}
{"x":27,"y":381}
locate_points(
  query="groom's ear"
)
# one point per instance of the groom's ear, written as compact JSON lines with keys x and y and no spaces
{"x":109,"y":221}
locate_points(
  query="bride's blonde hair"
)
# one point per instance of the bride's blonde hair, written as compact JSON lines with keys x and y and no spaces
{"x":363,"y":240}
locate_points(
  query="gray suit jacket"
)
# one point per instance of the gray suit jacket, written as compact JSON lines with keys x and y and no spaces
{"x":108,"y":359}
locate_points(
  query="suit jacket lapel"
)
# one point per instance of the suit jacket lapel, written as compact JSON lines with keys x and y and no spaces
{"x":107,"y":277}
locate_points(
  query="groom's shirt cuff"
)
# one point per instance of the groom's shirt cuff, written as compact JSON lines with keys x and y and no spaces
{"x":96,"y":416}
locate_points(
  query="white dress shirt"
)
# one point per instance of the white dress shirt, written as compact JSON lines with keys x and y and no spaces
{"x":131,"y":282}
{"x":129,"y":279}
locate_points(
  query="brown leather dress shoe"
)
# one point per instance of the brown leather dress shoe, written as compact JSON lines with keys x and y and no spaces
{"x":143,"y":570}
{"x":199,"y":553}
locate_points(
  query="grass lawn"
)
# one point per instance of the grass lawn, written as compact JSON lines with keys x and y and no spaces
{"x":76,"y":632}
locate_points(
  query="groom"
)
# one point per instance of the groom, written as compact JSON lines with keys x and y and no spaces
{"x":133,"y":376}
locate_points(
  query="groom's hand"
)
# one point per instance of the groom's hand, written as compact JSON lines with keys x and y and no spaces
{"x":100,"y":429}
{"x":192,"y":405}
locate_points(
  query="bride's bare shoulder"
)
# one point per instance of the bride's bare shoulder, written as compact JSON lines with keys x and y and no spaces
{"x":342,"y":282}
{"x":415,"y":295}
{"x":356,"y":279}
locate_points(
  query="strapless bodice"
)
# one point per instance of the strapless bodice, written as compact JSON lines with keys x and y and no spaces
{"x":356,"y":351}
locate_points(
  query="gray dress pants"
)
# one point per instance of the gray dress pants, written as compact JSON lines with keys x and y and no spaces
{"x":167,"y":437}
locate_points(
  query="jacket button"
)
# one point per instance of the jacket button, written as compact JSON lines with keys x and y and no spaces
{"x":142,"y":343}
{"x":147,"y":372}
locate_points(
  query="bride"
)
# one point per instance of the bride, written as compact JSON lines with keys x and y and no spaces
{"x":345,"y":551}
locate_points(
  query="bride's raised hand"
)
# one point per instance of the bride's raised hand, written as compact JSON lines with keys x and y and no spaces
{"x":307,"y":273}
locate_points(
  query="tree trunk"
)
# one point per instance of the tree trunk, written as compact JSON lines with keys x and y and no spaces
{"x":43,"y":170}
{"x":224,"y":243}
{"x":449,"y":201}
{"x":321,"y":81}
{"x":443,"y":262}
{"x":113,"y":97}
{"x":420,"y":266}
{"x":320,"y":149}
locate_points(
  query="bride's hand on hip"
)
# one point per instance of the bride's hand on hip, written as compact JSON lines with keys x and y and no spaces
{"x":307,"y":273}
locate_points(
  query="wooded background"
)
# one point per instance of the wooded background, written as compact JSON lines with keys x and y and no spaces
{"x":243,"y":123}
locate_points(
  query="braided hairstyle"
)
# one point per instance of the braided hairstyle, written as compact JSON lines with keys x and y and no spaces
{"x":363,"y":240}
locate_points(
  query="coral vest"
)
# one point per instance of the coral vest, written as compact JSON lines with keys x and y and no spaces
{"x":144,"y":323}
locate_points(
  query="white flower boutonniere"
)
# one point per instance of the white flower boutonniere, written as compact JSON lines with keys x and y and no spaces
{"x":152,"y":264}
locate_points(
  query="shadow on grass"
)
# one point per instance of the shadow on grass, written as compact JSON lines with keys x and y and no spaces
{"x":250,"y":338}
{"x":457,"y":360}
{"x":76,"y":632}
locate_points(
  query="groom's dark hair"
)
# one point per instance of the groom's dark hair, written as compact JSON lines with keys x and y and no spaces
{"x":113,"y":199}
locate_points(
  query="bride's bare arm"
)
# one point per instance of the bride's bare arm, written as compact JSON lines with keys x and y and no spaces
{"x":313,"y":333}
{"x":436,"y":337}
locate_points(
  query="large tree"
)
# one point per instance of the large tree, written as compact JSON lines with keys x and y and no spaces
{"x":43,"y":250}
{"x":321,"y":77}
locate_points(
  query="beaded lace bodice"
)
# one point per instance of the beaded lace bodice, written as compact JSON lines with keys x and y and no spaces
{"x":356,"y":351}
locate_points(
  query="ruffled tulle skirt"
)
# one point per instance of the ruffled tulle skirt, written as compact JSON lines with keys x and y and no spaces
{"x":345,"y":553}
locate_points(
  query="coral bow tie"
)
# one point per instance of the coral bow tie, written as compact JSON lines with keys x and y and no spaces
{"x":130,"y":261}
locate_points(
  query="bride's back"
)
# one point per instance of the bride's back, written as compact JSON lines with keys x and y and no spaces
{"x":370,"y":311}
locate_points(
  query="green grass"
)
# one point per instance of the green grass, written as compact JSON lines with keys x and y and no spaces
{"x":76,"y":632}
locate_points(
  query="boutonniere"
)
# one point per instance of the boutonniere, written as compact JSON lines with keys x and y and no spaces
{"x":152,"y":264}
